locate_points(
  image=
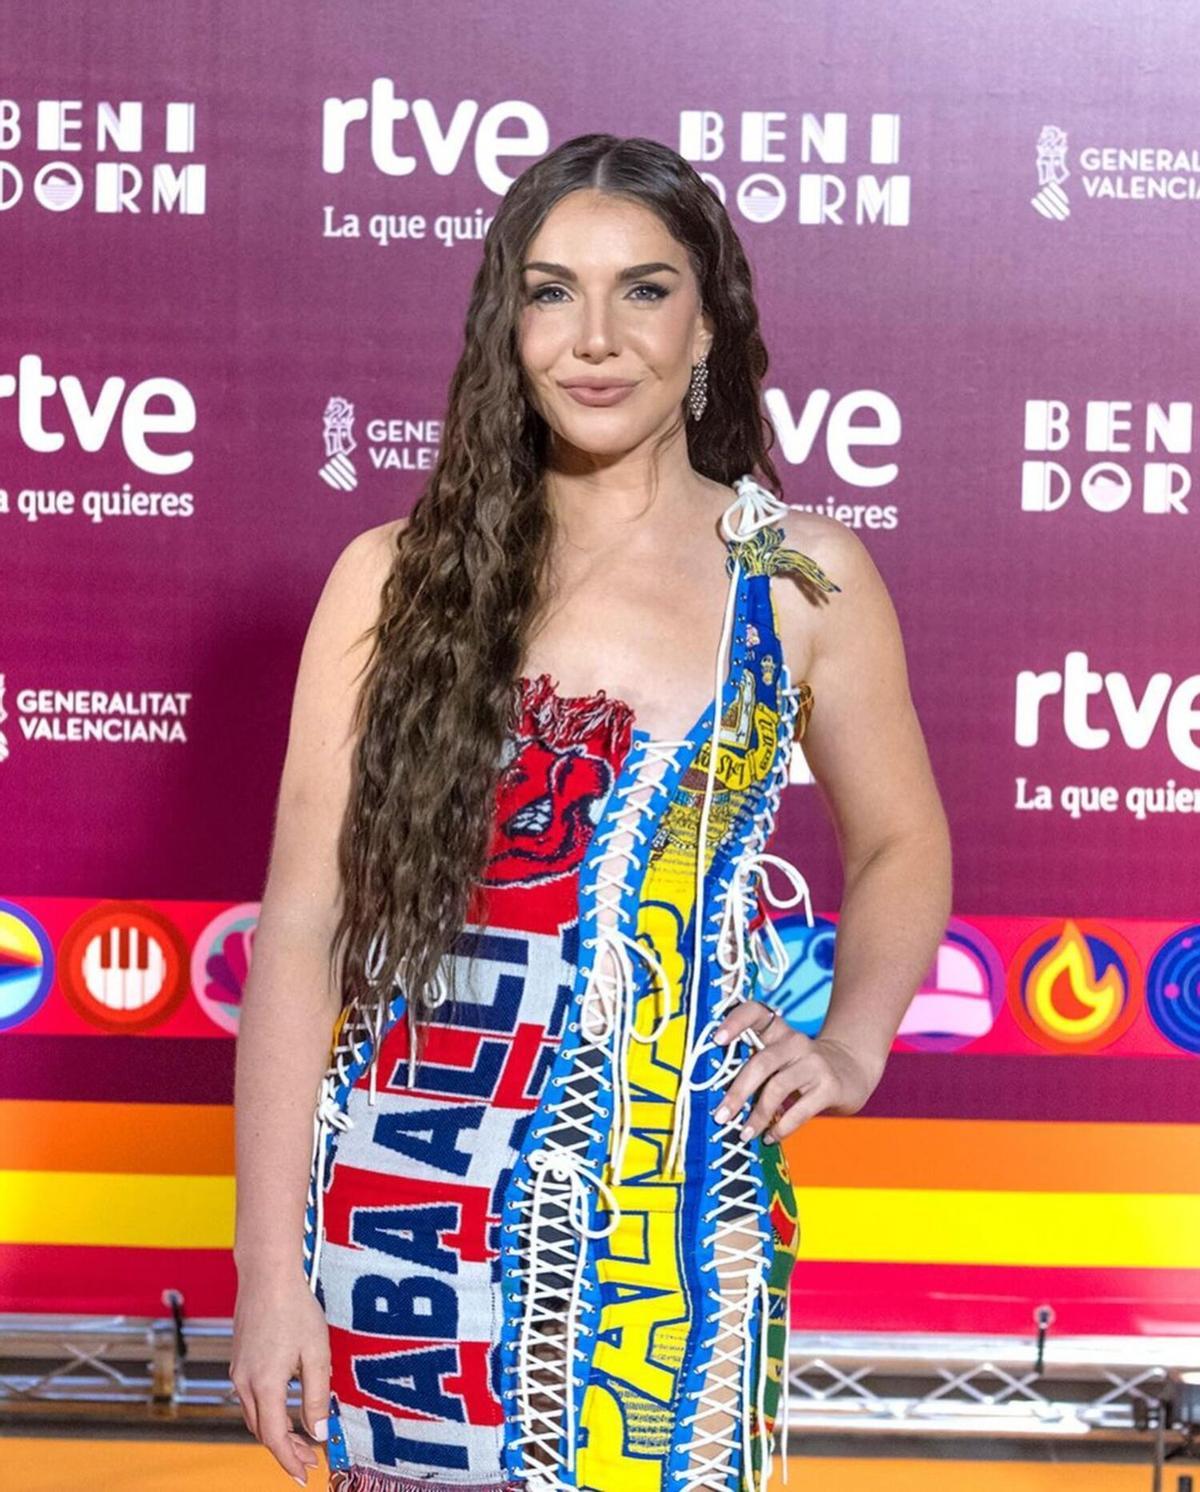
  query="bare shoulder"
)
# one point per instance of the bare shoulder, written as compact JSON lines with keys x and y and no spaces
{"x":822,"y":538}
{"x":363,"y":565}
{"x":811,"y":618}
{"x":302,"y":885}
{"x":863,"y":741}
{"x":336,"y":646}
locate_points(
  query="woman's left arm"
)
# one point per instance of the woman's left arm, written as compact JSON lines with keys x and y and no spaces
{"x":867,"y":754}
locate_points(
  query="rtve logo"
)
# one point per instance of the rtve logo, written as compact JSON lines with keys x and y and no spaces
{"x":42,"y":402}
{"x":1109,"y":429}
{"x":96,"y":147}
{"x":385,"y":125}
{"x":1065,"y":696}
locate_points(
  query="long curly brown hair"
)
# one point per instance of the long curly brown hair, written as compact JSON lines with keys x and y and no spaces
{"x":439,"y":695}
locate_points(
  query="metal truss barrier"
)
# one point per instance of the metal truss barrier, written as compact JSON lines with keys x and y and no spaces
{"x":124,"y":1368}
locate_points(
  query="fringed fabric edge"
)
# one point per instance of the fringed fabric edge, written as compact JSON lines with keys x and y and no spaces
{"x":562,"y":718}
{"x":369,"y":1479}
{"x":764,"y":553}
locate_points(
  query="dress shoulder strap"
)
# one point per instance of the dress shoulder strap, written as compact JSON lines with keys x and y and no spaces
{"x":755,"y":539}
{"x":764,"y":553}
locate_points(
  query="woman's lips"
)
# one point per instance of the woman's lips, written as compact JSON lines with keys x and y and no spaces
{"x":583,"y":395}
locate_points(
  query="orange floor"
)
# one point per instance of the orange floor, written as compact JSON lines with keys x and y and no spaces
{"x":44,"y":1464}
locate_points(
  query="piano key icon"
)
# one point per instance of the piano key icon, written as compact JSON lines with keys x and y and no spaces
{"x":123,"y":966}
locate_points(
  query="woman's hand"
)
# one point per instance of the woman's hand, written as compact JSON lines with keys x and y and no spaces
{"x":795,"y":1076}
{"x":279,"y":1328}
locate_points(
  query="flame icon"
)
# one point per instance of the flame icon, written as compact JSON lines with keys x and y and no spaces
{"x":1065,"y":1000}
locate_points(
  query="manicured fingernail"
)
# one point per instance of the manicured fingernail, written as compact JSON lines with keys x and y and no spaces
{"x":301,"y":1480}
{"x":722,"y":1113}
{"x":769,"y":1134}
{"x":721,"y":1036}
{"x":321,"y":1429}
{"x":746,"y":1132}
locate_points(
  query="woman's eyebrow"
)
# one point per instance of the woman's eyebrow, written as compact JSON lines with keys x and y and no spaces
{"x":634,"y":272}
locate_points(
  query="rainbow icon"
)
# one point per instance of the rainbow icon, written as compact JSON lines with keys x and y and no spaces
{"x":26,"y":965}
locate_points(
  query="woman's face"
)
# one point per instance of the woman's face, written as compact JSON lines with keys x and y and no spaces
{"x":608,"y":294}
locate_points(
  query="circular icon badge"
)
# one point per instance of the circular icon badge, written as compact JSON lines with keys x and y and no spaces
{"x":123,"y":966}
{"x":802,"y":994}
{"x":1071,"y":985}
{"x":1173,"y":989}
{"x":221,"y":962}
{"x":960,"y":997}
{"x":26,"y":965}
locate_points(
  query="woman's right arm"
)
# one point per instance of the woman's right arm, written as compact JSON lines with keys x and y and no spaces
{"x":289,"y":1006}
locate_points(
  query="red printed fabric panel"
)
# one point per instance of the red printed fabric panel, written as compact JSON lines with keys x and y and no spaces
{"x":410,"y":1268}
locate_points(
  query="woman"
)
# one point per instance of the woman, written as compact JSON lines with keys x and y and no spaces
{"x":549,"y":1226}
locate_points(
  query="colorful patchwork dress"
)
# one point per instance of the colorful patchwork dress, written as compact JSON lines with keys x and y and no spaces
{"x":543,"y":1261}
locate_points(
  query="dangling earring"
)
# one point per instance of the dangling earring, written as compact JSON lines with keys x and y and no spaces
{"x":697,"y":397}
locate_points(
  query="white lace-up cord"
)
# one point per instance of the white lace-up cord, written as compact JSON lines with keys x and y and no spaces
{"x":740,"y":907}
{"x":766,"y":1457}
{"x":567,"y":1168}
{"x":732,"y":920}
{"x":752,"y":509}
{"x":758,"y":1285}
{"x":617,"y":1023}
{"x":343,"y":1072}
{"x":541,"y":1313}
{"x":616,"y":994}
{"x":733,"y":917}
{"x":741,"y":1358}
{"x":328,"y":1113}
{"x":729,"y":1368}
{"x":606,"y":1028}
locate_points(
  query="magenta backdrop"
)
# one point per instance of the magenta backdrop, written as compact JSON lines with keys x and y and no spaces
{"x":972,"y":228}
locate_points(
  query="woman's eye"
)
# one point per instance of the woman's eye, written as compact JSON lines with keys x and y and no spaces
{"x":545,"y":291}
